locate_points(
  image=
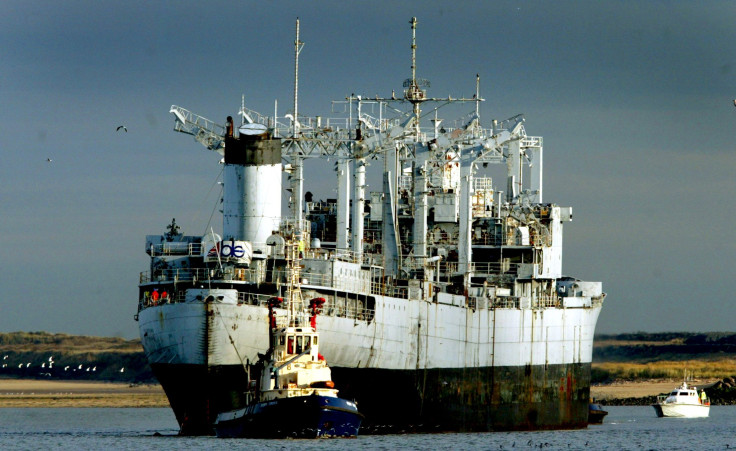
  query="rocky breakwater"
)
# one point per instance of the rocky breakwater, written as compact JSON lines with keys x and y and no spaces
{"x":723,"y":392}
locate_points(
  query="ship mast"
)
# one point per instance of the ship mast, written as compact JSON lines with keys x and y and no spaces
{"x":297,"y":170}
{"x":297,"y":49}
{"x":414,"y":93}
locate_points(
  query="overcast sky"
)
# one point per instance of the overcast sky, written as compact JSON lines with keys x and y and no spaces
{"x":634,"y":100}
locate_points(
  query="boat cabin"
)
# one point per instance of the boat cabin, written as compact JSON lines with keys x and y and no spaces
{"x":685,"y":395}
{"x":296,"y":368}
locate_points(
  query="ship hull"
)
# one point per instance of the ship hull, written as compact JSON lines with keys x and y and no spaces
{"x":310,"y":416}
{"x":443,"y":368}
{"x":446,"y":399}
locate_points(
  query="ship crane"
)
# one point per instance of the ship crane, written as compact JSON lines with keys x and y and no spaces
{"x":205,"y":131}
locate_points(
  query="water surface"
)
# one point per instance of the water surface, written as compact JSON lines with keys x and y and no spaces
{"x":625,"y":428}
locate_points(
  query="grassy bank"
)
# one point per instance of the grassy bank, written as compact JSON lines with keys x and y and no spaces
{"x":41,"y":355}
{"x":670,"y":355}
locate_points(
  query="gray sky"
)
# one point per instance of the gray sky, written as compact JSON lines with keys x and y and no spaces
{"x":633,"y":99}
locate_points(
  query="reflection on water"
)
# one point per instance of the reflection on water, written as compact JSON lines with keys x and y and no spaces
{"x":624,"y":428}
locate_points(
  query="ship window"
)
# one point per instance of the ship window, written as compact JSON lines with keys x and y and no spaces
{"x":674,"y":393}
{"x":682,"y":393}
{"x":290,"y":346}
{"x":282,"y":340}
{"x":314,"y":341}
{"x":299,"y":344}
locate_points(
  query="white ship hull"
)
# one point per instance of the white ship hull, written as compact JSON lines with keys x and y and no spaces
{"x":682,"y":410}
{"x":405,"y":335}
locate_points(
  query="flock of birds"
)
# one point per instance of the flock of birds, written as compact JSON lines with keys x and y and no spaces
{"x":50,"y":364}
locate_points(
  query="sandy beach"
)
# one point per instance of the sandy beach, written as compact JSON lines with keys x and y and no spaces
{"x":40,"y":393}
{"x":619,"y":390}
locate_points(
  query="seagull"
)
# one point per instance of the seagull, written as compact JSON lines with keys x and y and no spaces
{"x":123,"y":127}
{"x":122,"y":369}
{"x":734,"y":102}
{"x":49,"y":160}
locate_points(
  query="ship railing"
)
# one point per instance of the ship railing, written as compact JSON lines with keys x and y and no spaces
{"x":189,"y":275}
{"x":484,"y":183}
{"x":315,"y":127}
{"x":287,"y":226}
{"x":492,"y":267}
{"x":531,"y":141}
{"x":175,"y":249}
{"x":385,"y":289}
{"x":260,"y":300}
{"x":187,"y":120}
{"x":345,"y":255}
{"x":548,"y":301}
{"x":405,"y":182}
{"x":510,"y":302}
{"x":598,"y":300}
{"x":164,"y":297}
{"x":342,"y":311}
{"x":314,"y":278}
{"x":256,"y":117}
{"x":336,"y":310}
{"x":487,"y":239}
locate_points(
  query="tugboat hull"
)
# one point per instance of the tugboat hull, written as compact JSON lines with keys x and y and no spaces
{"x":299,"y":417}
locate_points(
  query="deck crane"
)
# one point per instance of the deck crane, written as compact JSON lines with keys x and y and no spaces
{"x":205,"y":131}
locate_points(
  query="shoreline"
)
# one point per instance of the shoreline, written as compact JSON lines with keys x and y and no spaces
{"x":640,"y":389}
{"x":16,"y":393}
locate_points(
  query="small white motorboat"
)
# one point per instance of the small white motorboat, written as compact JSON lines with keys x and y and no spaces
{"x":683,"y":402}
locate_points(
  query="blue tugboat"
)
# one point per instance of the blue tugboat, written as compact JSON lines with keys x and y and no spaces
{"x":294,"y":395}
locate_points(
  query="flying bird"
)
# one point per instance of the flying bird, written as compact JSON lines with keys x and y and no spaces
{"x":123,"y":127}
{"x":49,"y":160}
{"x":734,"y":102}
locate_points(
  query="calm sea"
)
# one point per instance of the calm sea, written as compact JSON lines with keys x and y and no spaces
{"x":632,"y":428}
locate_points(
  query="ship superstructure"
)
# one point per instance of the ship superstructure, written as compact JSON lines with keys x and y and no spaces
{"x":443,"y":291}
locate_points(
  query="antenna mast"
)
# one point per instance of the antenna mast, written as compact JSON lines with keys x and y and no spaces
{"x":414,"y":93}
{"x":297,"y":49}
{"x":477,"y":95}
